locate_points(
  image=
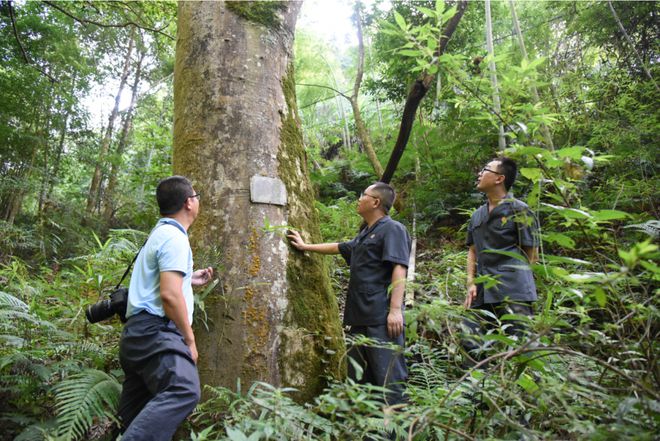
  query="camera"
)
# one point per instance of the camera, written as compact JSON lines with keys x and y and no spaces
{"x":105,"y":309}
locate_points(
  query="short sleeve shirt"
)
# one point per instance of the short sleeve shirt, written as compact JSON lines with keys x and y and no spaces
{"x":371,"y":256}
{"x":166,"y":249}
{"x":507,"y":228}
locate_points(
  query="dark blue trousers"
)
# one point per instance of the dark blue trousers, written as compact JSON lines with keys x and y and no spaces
{"x":381,"y":366}
{"x":476,"y":328}
{"x":161,"y":384}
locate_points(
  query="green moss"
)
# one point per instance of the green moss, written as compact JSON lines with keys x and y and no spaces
{"x":312,"y":304}
{"x":263,"y":12}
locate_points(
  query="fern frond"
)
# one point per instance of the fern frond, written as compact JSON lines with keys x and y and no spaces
{"x":12,"y":340}
{"x":83,"y":397}
{"x":36,"y":432}
{"x":651,"y":227}
{"x":9,"y":301}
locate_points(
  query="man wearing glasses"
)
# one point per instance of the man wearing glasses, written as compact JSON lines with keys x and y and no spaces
{"x":502,"y":237}
{"x":157,"y":348}
{"x":378,"y":257}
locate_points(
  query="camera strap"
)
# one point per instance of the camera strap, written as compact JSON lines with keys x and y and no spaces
{"x":131,"y":265}
{"x":136,"y":256}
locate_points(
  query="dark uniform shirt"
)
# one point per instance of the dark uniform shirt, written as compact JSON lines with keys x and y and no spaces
{"x":372,"y":256}
{"x":508,"y":227}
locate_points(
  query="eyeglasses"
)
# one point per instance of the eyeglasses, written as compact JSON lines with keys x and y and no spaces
{"x":363,"y":194}
{"x":486,"y":169}
{"x":196,"y":195}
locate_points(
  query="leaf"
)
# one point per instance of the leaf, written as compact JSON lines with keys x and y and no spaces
{"x":526,"y":151}
{"x":533,"y":174}
{"x":515,"y":255}
{"x":527,"y":383}
{"x":449,"y":13}
{"x":601,"y":297}
{"x":439,"y":6}
{"x":569,"y":213}
{"x":400,"y":21}
{"x":606,"y":215}
{"x":235,"y":434}
{"x":571,"y":152}
{"x":560,"y":239}
{"x":410,"y":52}
{"x":564,"y":259}
{"x":426,"y":11}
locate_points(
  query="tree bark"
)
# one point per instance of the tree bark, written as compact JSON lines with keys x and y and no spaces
{"x":273,"y":316}
{"x":417,"y":92}
{"x":94,"y":187}
{"x":501,"y":141}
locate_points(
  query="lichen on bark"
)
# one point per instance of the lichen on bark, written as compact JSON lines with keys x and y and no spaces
{"x":263,"y":12}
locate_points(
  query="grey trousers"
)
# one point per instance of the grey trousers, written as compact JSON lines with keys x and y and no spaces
{"x":161,"y":384}
{"x":381,"y":366}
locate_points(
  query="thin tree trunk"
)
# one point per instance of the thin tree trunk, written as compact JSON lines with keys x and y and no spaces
{"x":412,"y":264}
{"x":493,"y":74}
{"x":417,"y":92}
{"x":123,"y":141}
{"x":362,"y":131}
{"x":46,"y":153}
{"x":631,"y":44}
{"x":545,"y":131}
{"x":52,"y":176}
{"x":95,"y":186}
{"x":273,"y":317}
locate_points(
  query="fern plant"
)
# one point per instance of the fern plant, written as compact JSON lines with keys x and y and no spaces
{"x":81,"y":399}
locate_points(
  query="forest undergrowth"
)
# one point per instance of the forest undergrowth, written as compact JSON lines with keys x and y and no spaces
{"x":587,"y":370}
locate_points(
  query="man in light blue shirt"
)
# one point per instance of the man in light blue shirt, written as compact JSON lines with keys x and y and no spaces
{"x":157,"y":349}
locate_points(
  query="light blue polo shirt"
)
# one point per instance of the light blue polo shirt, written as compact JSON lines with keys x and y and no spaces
{"x":167,"y":249}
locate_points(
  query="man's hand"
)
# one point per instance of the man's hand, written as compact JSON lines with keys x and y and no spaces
{"x":202,"y":277}
{"x":296,"y":240}
{"x":471,"y":295}
{"x":394,"y":322}
{"x":193,"y":350}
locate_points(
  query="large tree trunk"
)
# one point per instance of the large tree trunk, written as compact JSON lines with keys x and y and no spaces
{"x":273,"y":317}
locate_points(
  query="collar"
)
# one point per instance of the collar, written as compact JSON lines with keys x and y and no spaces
{"x":380,"y":221}
{"x":173,"y":222}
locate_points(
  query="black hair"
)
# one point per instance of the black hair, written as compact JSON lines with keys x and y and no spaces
{"x":386,"y":194}
{"x":509,"y":169}
{"x":172,"y":193}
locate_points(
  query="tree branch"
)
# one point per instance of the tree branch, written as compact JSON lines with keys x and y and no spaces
{"x":325,"y":87}
{"x":105,"y":25}
{"x":631,"y":44}
{"x":10,"y":7}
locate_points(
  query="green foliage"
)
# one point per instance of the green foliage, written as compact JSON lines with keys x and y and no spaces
{"x":340,"y":221}
{"x":83,"y":397}
{"x":50,"y":359}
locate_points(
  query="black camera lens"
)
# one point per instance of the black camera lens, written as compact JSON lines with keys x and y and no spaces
{"x":99,"y":311}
